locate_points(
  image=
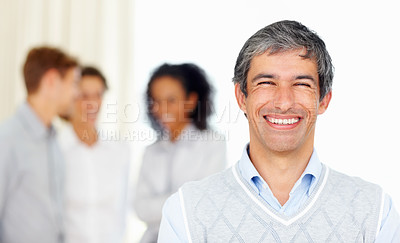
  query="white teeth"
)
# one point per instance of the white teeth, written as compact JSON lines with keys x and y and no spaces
{"x":283,"y":121}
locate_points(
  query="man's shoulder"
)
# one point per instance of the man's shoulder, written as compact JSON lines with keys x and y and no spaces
{"x":217,"y":181}
{"x":10,"y":129}
{"x":346,"y":183}
{"x":353,"y":180}
{"x":11,"y":134}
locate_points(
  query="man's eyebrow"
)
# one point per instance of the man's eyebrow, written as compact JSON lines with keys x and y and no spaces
{"x":262,"y":75}
{"x":306,"y":77}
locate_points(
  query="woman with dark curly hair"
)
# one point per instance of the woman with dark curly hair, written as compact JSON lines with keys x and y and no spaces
{"x":178,"y":105}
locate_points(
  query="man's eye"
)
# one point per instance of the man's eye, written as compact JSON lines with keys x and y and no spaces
{"x":266,"y":82}
{"x":303,"y":84}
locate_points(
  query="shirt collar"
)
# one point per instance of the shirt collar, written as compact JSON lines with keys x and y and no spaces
{"x":68,"y":138}
{"x":314,"y":168}
{"x":33,"y":123}
{"x":248,"y":171}
{"x":188,"y":132}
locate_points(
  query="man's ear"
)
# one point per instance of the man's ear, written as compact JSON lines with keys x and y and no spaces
{"x":240,"y":98}
{"x":50,"y":78}
{"x":323,"y":105}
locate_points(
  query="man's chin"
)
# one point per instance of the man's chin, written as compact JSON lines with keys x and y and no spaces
{"x":65,"y":114}
{"x":92,"y":121}
{"x":283,"y":146}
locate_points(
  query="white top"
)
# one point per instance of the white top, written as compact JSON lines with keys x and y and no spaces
{"x":167,"y":165}
{"x":96,"y":189}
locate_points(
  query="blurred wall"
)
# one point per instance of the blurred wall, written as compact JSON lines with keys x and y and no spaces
{"x":97,"y":32}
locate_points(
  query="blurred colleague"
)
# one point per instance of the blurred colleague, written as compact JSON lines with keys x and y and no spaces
{"x":97,"y":170}
{"x":179,"y":103}
{"x":31,"y":165}
{"x":279,"y":191}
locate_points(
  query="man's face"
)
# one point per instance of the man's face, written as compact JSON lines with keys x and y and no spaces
{"x":283,"y":101}
{"x":67,"y":91}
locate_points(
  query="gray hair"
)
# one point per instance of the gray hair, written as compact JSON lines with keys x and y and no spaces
{"x":283,"y":36}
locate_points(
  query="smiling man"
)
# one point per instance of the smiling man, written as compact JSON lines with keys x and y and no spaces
{"x":279,"y":191}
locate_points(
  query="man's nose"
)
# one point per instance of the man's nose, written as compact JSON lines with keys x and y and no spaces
{"x":284,"y":98}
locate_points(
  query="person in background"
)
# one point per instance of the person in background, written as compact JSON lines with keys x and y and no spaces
{"x":179,"y":103}
{"x":280,"y":191}
{"x":31,"y":164}
{"x":97,"y":170}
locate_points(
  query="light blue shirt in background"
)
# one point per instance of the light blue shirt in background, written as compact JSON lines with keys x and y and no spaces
{"x":168,"y":165}
{"x":172,"y":227}
{"x":31,"y":180}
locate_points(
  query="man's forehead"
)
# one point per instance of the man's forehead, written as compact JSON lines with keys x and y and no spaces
{"x":300,"y":54}
{"x":299,"y":51}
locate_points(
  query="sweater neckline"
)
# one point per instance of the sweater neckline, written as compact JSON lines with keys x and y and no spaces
{"x":285,"y":220}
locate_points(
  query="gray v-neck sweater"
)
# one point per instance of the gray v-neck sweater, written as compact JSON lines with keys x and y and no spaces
{"x":224,"y":208}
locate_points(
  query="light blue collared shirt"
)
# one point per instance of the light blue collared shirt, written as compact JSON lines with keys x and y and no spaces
{"x":31,"y":180}
{"x":172,"y":227}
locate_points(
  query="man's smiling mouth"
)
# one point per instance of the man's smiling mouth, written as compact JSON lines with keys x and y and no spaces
{"x":282,"y":121}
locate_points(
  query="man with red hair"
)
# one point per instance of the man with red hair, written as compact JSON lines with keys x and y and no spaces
{"x":31,"y":165}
